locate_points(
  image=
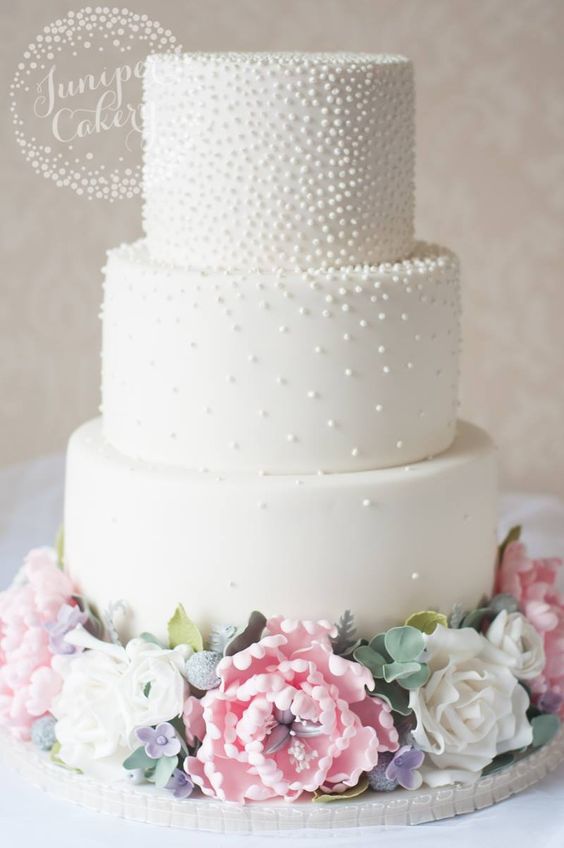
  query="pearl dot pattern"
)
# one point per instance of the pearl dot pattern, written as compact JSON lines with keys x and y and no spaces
{"x":325,"y":395}
{"x":278,"y":160}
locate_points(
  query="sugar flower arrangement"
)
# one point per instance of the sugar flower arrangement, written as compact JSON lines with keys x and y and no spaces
{"x":284,"y":708}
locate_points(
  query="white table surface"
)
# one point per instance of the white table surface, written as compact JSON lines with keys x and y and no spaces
{"x":30,"y":512}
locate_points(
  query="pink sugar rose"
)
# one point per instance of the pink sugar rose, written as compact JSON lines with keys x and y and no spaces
{"x":289,"y":716}
{"x":533,"y":583}
{"x":28,"y":683}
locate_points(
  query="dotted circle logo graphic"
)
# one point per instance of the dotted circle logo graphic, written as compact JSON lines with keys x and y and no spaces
{"x":75,"y":99}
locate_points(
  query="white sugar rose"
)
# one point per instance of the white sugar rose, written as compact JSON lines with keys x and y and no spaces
{"x":514,"y":642}
{"x":108,"y":692}
{"x":470,"y":710}
{"x":154,"y":689}
{"x":90,"y":725}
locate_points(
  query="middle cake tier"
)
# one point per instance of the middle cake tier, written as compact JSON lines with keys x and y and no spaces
{"x":283,"y":373}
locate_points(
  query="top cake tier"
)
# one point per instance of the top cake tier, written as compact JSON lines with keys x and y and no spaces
{"x":262,"y":161}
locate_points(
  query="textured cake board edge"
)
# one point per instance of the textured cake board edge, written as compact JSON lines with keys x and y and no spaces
{"x":147,"y":805}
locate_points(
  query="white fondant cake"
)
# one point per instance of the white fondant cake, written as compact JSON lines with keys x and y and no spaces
{"x":280,"y":362}
{"x":285,"y":373}
{"x":278,"y":160}
{"x":279,"y":542}
{"x":383,"y":542}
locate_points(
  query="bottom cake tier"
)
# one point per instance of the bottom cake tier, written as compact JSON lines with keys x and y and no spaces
{"x":381,"y":543}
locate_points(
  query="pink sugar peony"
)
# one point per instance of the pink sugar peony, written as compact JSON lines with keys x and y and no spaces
{"x":194,"y":723}
{"x":289,"y":716}
{"x":533,"y":583}
{"x":28,"y":683}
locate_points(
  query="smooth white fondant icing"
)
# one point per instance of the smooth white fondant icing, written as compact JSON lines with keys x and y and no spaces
{"x":383,"y":543}
{"x":289,"y":372}
{"x":278,"y":160}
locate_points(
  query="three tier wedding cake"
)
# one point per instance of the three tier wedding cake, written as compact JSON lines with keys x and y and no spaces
{"x":279,"y":433}
{"x":280,"y":362}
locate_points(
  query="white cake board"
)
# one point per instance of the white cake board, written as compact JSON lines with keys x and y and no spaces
{"x":148,"y":805}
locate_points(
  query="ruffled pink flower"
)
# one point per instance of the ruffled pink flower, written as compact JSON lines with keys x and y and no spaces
{"x":289,"y":716}
{"x":533,"y":583}
{"x":28,"y":683}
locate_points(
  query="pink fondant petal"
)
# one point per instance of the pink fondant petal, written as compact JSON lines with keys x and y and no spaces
{"x":300,"y":634}
{"x":360,"y":755}
{"x":375,"y":713}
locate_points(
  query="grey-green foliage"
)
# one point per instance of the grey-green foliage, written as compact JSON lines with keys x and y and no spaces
{"x":396,"y":661}
{"x":220,"y":636}
{"x":251,"y":634}
{"x":346,"y":640}
{"x":486,"y":612}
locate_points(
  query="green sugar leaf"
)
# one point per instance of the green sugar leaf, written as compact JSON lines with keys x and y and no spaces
{"x":353,"y":792}
{"x":55,"y":758}
{"x":369,"y":658}
{"x":393,"y":694}
{"x":164,"y":770}
{"x":503,"y":602}
{"x":513,"y":536}
{"x":378,"y":644}
{"x":499,"y":763}
{"x":545,"y":728}
{"x":397,"y":670}
{"x":476,"y":617}
{"x":60,"y":546}
{"x":417,"y":679}
{"x":148,"y":637}
{"x":426,"y":621}
{"x":251,"y":634}
{"x":183,"y":631}
{"x":404,"y":644}
{"x":138,"y":760}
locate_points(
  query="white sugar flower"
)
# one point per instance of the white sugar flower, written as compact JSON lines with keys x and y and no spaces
{"x":108,"y":692}
{"x":471,"y":709}
{"x":90,"y":717}
{"x":154,"y":689}
{"x":514,"y":642}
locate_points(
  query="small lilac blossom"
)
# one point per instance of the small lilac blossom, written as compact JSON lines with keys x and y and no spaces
{"x":550,"y":702}
{"x":180,"y":784}
{"x":161,"y":741}
{"x":403,"y":767}
{"x":68,"y":618}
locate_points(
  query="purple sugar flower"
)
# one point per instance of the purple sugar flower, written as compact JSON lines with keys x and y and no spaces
{"x":403,"y":767}
{"x":161,"y":741}
{"x":180,"y":784}
{"x":550,"y":702}
{"x":68,"y":618}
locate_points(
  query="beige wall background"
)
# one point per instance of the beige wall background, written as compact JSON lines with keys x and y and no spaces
{"x":490,"y":80}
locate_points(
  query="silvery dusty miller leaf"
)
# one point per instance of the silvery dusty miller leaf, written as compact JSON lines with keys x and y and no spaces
{"x":346,"y":638}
